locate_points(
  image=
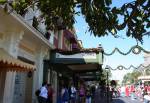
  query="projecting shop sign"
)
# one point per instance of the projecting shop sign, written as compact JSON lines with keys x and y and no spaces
{"x":78,"y":56}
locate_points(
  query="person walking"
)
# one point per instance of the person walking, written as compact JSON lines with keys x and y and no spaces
{"x":88,"y":94}
{"x":43,"y":95}
{"x":93,"y":93}
{"x":73,"y":94}
{"x":64,"y":94}
{"x":82,"y":94}
{"x":50,"y":93}
{"x":101,"y":95}
{"x":127,"y":91}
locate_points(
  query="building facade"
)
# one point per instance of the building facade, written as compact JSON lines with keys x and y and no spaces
{"x":25,"y":44}
{"x":146,"y":59}
{"x":32,"y":47}
{"x":22,"y":41}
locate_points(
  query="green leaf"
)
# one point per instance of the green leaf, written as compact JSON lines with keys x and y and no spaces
{"x":148,"y":25}
{"x":14,"y":4}
{"x":3,"y":1}
{"x":108,"y":2}
{"x":22,"y":0}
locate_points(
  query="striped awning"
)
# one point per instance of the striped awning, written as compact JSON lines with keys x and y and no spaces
{"x":9,"y":63}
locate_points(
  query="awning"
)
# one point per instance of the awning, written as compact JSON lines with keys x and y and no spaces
{"x":90,"y":60}
{"x":9,"y":63}
{"x":85,"y":67}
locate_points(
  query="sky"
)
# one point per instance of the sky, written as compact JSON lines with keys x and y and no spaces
{"x":109,"y":43}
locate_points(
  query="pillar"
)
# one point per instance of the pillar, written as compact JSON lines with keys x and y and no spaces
{"x":60,"y":39}
{"x":41,"y":51}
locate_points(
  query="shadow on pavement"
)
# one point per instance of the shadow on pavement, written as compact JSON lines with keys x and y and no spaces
{"x":117,"y":100}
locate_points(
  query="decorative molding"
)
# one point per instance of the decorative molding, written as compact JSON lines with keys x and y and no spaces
{"x":16,"y":38}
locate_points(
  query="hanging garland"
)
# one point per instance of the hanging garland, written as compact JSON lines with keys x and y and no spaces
{"x":135,"y":50}
{"x":121,"y":67}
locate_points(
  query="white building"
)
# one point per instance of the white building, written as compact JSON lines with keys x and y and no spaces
{"x":24,"y":43}
{"x":146,"y":59}
{"x":146,"y":65}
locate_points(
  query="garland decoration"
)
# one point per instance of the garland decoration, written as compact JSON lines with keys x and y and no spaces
{"x":134,"y":49}
{"x":121,"y":67}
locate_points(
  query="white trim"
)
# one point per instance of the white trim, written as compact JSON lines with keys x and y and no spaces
{"x":32,"y":29}
{"x":26,"y":54}
{"x":25,"y":24}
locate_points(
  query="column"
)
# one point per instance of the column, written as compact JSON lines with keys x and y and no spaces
{"x":55,"y":87}
{"x":38,"y":74}
{"x":60,"y":39}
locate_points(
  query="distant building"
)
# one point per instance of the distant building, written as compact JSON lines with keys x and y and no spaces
{"x":146,"y":59}
{"x":146,"y":63}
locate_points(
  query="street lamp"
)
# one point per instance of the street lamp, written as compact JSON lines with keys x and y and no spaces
{"x":107,"y":75}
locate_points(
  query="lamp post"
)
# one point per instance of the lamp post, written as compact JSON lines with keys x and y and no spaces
{"x":107,"y":75}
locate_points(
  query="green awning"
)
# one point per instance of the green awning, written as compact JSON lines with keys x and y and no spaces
{"x":83,"y":60}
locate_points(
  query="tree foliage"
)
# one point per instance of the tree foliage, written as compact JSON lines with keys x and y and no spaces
{"x":131,"y":78}
{"x":105,"y":76}
{"x":101,"y":17}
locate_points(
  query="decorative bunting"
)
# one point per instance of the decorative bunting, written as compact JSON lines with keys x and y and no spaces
{"x":135,"y":50}
{"x":121,"y":67}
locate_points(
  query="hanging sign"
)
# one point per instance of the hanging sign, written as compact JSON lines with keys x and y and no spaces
{"x":78,"y":56}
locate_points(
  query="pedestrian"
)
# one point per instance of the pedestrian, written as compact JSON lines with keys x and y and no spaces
{"x":81,"y":94}
{"x":93,"y":93}
{"x":147,"y":97}
{"x":97,"y":97}
{"x":73,"y":92}
{"x":64,"y":94}
{"x":127,"y":91}
{"x":50,"y":93}
{"x":88,"y":94}
{"x":43,"y":95}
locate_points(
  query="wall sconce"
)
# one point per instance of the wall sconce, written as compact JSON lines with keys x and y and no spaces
{"x":29,"y":74}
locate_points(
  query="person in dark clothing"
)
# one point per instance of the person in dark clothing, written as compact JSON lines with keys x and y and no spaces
{"x":88,"y":94}
{"x":50,"y":93}
{"x":72,"y":91}
{"x":64,"y":94}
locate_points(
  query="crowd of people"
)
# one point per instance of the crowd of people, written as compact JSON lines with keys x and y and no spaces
{"x":85,"y":94}
{"x":141,"y":92}
{"x":72,"y":94}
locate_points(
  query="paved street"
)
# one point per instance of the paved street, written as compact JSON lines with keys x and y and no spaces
{"x":126,"y":100}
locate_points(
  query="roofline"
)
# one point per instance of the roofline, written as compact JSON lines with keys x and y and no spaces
{"x":21,"y":20}
{"x":89,"y":50}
